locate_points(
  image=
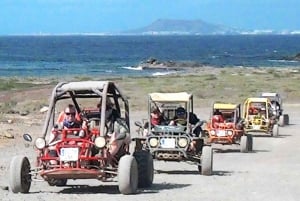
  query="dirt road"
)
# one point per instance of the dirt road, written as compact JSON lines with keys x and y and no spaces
{"x":270,"y":172}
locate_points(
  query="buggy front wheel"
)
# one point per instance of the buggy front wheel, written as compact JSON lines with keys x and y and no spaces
{"x":19,"y":175}
{"x":244,"y":144}
{"x":205,"y":168}
{"x":145,"y":168}
{"x":128,"y":175}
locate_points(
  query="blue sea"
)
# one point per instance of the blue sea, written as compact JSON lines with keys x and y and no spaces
{"x":110,"y":56}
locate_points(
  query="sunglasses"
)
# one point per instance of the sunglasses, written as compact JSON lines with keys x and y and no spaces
{"x":70,"y":113}
{"x":180,"y":113}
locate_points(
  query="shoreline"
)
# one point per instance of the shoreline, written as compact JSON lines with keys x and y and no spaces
{"x":176,"y":71}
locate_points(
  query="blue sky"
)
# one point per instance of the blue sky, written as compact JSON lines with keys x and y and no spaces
{"x":96,"y":16}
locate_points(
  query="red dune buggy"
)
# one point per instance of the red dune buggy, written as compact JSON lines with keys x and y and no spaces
{"x":226,"y":126}
{"x":100,"y":150}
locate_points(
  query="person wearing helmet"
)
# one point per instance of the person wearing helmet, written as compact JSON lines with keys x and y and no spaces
{"x":181,"y":119}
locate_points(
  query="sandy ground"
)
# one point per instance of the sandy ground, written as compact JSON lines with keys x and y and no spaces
{"x":270,"y":172}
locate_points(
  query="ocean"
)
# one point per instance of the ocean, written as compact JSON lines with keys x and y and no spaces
{"x":110,"y":56}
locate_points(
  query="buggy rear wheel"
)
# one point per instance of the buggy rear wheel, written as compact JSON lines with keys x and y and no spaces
{"x":19,"y":175}
{"x":250,"y":142}
{"x":128,"y":175}
{"x":281,"y":121}
{"x":244,"y":144}
{"x":286,"y":119}
{"x":205,"y":168}
{"x":275,"y":130}
{"x":145,"y":168}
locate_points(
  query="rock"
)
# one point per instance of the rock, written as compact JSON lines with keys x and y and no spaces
{"x":8,"y":135}
{"x":297,"y":57}
{"x":4,"y":188}
{"x":10,"y":121}
{"x":24,"y":113}
{"x":44,"y":109}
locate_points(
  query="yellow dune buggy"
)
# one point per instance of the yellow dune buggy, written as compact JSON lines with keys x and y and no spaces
{"x":259,"y":117}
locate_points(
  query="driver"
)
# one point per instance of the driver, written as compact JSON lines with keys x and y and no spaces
{"x":67,"y":120}
{"x":181,"y":119}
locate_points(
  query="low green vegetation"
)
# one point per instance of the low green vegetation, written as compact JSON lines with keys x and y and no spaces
{"x":207,"y":85}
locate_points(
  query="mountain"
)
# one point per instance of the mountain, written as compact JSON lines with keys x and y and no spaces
{"x":183,"y":27}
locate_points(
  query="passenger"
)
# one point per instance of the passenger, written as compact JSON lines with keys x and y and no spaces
{"x":216,"y":120}
{"x":261,"y":114}
{"x":117,"y":128}
{"x":230,"y":119}
{"x":217,"y":112}
{"x":156,"y":118}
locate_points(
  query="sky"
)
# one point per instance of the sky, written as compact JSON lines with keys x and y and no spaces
{"x":104,"y":16}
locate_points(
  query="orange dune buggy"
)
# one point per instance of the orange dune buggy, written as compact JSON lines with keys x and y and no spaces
{"x":88,"y":156}
{"x":226,"y":126}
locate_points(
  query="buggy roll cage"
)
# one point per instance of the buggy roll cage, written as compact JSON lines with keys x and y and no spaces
{"x":86,"y":89}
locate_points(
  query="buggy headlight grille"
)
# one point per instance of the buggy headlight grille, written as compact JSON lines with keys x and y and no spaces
{"x":229,"y":132}
{"x":153,"y":142}
{"x":182,"y":142}
{"x":40,"y":143}
{"x":100,"y":142}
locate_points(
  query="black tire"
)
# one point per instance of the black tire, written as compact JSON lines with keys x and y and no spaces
{"x":286,"y":119}
{"x":206,"y":167}
{"x":128,"y":175}
{"x":250,"y":142}
{"x":244,"y":144}
{"x":57,"y":182}
{"x":145,"y":167}
{"x":19,"y":175}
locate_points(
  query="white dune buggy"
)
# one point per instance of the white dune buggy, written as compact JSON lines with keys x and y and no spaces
{"x":277,"y":106}
{"x":87,"y":156}
{"x":174,"y":142}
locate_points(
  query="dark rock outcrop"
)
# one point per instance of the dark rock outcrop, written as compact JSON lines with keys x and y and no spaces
{"x":153,"y":63}
{"x":297,"y":57}
{"x":293,"y":58}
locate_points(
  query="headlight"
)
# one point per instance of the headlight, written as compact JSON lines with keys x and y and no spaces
{"x":100,"y":142}
{"x":213,"y":132}
{"x":153,"y":142}
{"x":182,"y":142}
{"x":40,"y":143}
{"x":229,"y":132}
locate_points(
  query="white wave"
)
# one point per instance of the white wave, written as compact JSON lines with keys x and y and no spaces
{"x":163,"y":73}
{"x":282,"y":60}
{"x":133,"y":68}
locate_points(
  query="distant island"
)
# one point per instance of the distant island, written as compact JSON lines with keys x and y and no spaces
{"x":195,"y":27}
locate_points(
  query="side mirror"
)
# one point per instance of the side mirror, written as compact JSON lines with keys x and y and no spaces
{"x":138,"y":124}
{"x":27,"y":137}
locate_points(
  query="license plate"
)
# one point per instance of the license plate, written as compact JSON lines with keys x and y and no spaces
{"x":68,"y":154}
{"x":221,"y":133}
{"x":167,"y":143}
{"x":256,"y":127}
